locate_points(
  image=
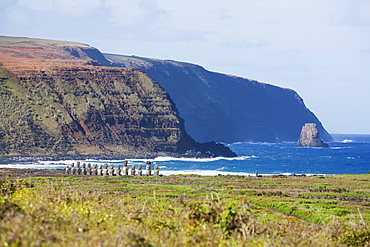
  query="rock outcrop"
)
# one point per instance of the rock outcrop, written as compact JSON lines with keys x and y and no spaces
{"x":57,"y":98}
{"x":310,"y":137}
{"x":227,"y":108}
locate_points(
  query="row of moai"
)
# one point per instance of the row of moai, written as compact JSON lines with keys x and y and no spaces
{"x":101,"y":170}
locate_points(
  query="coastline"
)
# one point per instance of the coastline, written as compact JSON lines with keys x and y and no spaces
{"x":348,"y":155}
{"x":46,"y":172}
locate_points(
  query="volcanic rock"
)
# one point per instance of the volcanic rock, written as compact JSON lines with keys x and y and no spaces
{"x":310,"y":137}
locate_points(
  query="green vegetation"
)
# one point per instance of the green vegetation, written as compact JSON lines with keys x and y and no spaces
{"x":19,"y":122}
{"x":30,"y":42}
{"x":185,"y":211}
{"x":37,"y":110}
{"x":55,"y":100}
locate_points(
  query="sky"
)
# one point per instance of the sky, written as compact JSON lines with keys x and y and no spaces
{"x":319,"y":48}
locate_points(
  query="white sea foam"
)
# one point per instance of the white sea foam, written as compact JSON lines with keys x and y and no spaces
{"x":33,"y":166}
{"x":347,"y":141}
{"x":101,"y":161}
{"x":215,"y":172}
{"x":59,"y":162}
{"x":157,"y":159}
{"x":167,"y":158}
{"x":220,"y":169}
{"x":162,"y":172}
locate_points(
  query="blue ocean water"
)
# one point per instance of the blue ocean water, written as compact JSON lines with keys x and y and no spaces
{"x":348,"y":154}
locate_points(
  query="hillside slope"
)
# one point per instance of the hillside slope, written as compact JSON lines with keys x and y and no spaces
{"x":57,"y":98}
{"x":227,"y":108}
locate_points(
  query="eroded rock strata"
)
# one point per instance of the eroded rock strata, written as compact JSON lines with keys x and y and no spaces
{"x":58,"y":99}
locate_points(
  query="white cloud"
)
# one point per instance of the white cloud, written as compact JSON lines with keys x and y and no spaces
{"x":15,"y":17}
{"x":359,"y":13}
{"x":304,"y":45}
{"x":6,"y":3}
{"x":76,"y":8}
{"x":73,"y":8}
{"x":245,"y":43}
{"x":125,"y":12}
{"x":40,"y":5}
{"x":356,"y":13}
{"x":145,"y":20}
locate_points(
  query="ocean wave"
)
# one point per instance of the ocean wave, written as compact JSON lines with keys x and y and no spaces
{"x":252,"y":143}
{"x":33,"y":166}
{"x":135,"y":161}
{"x":102,"y":161}
{"x":347,"y":141}
{"x":168,"y":158}
{"x":216,"y":172}
{"x":59,"y":162}
{"x":337,"y":147}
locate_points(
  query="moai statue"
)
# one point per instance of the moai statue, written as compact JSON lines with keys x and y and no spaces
{"x":67,"y":169}
{"x":133,"y":171}
{"x":105,"y":170}
{"x":73,"y":168}
{"x":125,"y":168}
{"x":78,"y":168}
{"x":100,"y":170}
{"x":111,"y":170}
{"x":140,"y":172}
{"x":156,"y":171}
{"x":83,"y":171}
{"x":94,"y":170}
{"x":148,"y":168}
{"x":89,"y":169}
{"x":118,"y":170}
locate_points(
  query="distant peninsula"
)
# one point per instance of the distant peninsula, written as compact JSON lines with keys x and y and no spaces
{"x":227,"y":108}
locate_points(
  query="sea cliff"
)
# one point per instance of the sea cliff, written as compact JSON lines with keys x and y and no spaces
{"x":59,"y":98}
{"x":227,"y":108}
{"x":67,"y":98}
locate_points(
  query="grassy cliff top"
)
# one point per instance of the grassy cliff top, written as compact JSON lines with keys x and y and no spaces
{"x":128,"y":61}
{"x":31,"y":42}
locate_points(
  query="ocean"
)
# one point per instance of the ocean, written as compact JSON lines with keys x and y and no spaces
{"x":348,"y":154}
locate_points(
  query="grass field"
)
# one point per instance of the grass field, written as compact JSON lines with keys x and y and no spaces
{"x":185,"y":211}
{"x":31,"y":42}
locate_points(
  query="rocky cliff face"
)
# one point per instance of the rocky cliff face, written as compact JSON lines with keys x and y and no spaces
{"x":309,"y":137}
{"x":227,"y":108}
{"x":57,"y":98}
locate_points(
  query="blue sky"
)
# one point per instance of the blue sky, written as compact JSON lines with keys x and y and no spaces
{"x":320,"y":48}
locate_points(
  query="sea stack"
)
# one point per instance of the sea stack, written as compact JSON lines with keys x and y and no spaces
{"x":310,"y":137}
